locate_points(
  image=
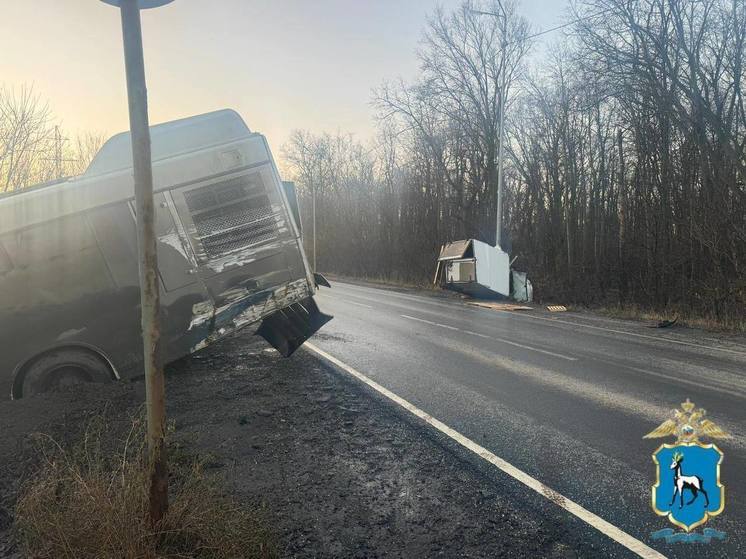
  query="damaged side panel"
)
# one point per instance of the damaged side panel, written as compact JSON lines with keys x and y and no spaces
{"x":249,"y":258}
{"x":289,"y":317}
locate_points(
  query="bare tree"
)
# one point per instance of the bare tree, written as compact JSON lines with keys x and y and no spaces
{"x":81,"y":151}
{"x":454,"y":108}
{"x":625,"y":184}
{"x":33,"y":149}
{"x":26,"y":131}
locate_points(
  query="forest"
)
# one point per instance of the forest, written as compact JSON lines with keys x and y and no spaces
{"x":624,"y":157}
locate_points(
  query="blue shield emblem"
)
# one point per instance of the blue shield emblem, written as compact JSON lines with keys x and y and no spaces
{"x":688,"y":488}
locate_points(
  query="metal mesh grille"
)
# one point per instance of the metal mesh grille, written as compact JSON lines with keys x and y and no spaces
{"x":223,"y":192}
{"x":231,"y":215}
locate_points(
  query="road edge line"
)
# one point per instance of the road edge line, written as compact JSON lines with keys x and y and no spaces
{"x":424,"y":298}
{"x":493,"y":338}
{"x":606,"y":528}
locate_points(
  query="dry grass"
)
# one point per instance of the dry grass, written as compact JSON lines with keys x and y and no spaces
{"x":735,"y":324}
{"x":385,"y":281}
{"x":90,"y":501}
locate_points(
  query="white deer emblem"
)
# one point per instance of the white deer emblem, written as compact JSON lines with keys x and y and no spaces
{"x":681,"y":482}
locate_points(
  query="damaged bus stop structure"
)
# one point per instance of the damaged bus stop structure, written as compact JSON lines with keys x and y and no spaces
{"x":478,"y":269}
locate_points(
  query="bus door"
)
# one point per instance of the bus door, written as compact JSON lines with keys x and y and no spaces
{"x":183,"y":294}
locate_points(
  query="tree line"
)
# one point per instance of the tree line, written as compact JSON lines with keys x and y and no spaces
{"x":34,"y":148}
{"x":624,"y":166}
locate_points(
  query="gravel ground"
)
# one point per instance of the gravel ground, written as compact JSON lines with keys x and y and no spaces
{"x":341,"y":472}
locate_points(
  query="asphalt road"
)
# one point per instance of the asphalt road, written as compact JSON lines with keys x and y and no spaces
{"x":564,"y":397}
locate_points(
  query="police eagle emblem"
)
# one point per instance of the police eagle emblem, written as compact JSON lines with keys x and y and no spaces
{"x":687,"y":488}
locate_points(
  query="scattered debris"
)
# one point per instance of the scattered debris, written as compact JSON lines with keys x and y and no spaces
{"x":556,"y":308}
{"x":500,"y":306}
{"x":665,"y":323}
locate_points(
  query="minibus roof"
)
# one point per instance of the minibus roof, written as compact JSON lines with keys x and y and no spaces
{"x":170,"y":139}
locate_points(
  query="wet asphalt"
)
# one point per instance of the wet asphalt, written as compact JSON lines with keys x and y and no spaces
{"x":565,"y":397}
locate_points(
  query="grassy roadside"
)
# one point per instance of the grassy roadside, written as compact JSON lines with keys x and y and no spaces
{"x":91,"y":500}
{"x":382,"y":281}
{"x":634,"y":312}
{"x":627,"y":312}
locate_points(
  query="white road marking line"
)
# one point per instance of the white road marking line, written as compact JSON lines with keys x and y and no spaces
{"x":606,"y":528}
{"x":699,"y":384}
{"x":429,"y":322}
{"x":501,"y":340}
{"x":727,"y":388}
{"x":635,"y":334}
{"x":531,"y":348}
{"x":424,"y":299}
{"x":344,"y":300}
{"x":358,"y":304}
{"x":477,"y":334}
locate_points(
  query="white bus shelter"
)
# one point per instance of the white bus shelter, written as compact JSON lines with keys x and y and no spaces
{"x":475,"y":268}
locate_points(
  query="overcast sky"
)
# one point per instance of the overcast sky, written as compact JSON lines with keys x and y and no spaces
{"x":283,"y":64}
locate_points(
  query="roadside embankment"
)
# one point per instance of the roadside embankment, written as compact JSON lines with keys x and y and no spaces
{"x":337,"y":470}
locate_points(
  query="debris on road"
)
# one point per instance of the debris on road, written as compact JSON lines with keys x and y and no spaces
{"x":500,"y":306}
{"x":665,"y":323}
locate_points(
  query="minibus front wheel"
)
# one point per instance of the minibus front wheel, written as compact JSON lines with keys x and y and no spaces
{"x":60,"y":369}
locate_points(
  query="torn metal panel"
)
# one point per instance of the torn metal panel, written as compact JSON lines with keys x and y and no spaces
{"x":521,"y":289}
{"x":287,"y":329}
{"x":320,"y":280}
{"x":202,"y":313}
{"x":455,"y":249}
{"x":213,"y":323}
{"x":247,"y":256}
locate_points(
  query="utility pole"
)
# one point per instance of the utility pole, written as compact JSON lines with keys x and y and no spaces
{"x":58,"y":158}
{"x":501,"y":133}
{"x":57,"y":152}
{"x":313,"y":204}
{"x":503,"y":94}
{"x":147,"y":251}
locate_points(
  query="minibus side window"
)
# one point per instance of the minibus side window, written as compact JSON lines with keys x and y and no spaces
{"x":54,"y":263}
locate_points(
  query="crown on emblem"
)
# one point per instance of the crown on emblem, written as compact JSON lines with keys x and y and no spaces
{"x":688,"y":424}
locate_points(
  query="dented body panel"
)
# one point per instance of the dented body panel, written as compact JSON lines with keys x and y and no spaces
{"x":229,"y":250}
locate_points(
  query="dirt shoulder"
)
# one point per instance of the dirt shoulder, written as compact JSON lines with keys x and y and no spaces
{"x":339,"y":471}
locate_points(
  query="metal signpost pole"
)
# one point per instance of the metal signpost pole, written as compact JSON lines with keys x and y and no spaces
{"x":503,"y":95}
{"x":147,"y":250}
{"x":314,"y":227}
{"x":498,"y":236}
